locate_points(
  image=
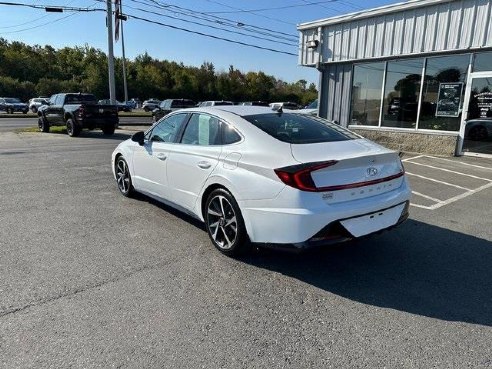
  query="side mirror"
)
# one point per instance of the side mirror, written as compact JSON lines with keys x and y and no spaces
{"x":139,"y":137}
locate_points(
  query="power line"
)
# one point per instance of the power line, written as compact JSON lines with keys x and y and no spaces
{"x":215,"y":18}
{"x":274,"y":8}
{"x":257,"y":14}
{"x":211,"y":36}
{"x":39,"y":25}
{"x":44,"y":7}
{"x":32,"y":20}
{"x":208,"y":26}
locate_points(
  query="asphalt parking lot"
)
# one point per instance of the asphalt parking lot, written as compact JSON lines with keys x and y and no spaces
{"x":89,"y":278}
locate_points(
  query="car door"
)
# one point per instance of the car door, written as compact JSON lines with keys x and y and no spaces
{"x":54,"y":112}
{"x":150,"y":160}
{"x":194,"y":159}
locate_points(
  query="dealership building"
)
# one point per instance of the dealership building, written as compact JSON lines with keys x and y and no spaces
{"x":413,"y":76}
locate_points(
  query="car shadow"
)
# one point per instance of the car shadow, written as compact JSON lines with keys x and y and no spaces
{"x":169,"y":209}
{"x":119,"y":136}
{"x":417,"y":268}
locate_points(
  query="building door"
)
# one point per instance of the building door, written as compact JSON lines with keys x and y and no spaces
{"x":476,"y":125}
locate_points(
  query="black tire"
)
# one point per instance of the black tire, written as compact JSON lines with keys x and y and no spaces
{"x":34,"y":109}
{"x":478,"y":133}
{"x":123,"y":177}
{"x":43,"y":125}
{"x":108,"y":130}
{"x":225,"y":224}
{"x":10,"y":111}
{"x":25,"y":111}
{"x":73,"y":130}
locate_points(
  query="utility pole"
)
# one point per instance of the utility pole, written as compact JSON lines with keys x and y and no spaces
{"x":125,"y":88}
{"x":109,"y":24}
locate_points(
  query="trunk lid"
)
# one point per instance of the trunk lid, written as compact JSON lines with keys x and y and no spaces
{"x":363,"y":168}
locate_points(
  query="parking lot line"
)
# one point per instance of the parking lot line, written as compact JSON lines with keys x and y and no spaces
{"x":452,"y":161}
{"x":452,"y":171}
{"x":414,"y":157}
{"x":425,"y":196}
{"x":438,"y":181}
{"x":456,"y":198}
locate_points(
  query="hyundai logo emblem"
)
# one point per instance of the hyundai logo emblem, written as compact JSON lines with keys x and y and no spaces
{"x":371,"y":172}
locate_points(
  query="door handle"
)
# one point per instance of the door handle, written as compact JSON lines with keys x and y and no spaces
{"x":204,"y":164}
{"x":161,"y":156}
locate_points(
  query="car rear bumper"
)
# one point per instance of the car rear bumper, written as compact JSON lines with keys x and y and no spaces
{"x":324,"y":224}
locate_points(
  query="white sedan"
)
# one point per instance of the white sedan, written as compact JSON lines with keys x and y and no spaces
{"x":267,"y":177}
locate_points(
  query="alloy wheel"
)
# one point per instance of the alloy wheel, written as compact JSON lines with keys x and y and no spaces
{"x":222,"y":222}
{"x":123,"y":176}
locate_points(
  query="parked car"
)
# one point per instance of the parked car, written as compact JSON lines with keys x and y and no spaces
{"x":122,"y":106}
{"x":169,"y":105}
{"x":311,"y":109}
{"x":36,"y":102}
{"x":151,"y":104}
{"x":285,"y":105}
{"x":254,"y":103}
{"x":77,"y":111}
{"x":12,"y":105}
{"x":478,"y":129}
{"x":215,"y":103}
{"x":255,"y":175}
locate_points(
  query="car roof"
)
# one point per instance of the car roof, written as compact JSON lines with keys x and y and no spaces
{"x":241,"y":110}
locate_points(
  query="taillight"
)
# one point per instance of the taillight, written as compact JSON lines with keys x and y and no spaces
{"x":81,"y":112}
{"x":299,"y":176}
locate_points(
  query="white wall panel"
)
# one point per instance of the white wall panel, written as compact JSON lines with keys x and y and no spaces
{"x":424,"y":26}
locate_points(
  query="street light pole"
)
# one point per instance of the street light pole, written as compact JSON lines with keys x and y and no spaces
{"x":109,"y":24}
{"x":125,"y":88}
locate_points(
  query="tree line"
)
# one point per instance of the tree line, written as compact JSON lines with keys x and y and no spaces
{"x":28,"y":71}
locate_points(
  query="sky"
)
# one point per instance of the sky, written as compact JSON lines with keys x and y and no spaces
{"x":269,"y":24}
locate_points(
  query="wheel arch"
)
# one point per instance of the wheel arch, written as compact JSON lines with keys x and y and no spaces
{"x":212,"y":187}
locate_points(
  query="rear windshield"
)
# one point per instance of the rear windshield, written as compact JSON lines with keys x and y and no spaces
{"x":299,"y":129}
{"x":183,"y":104}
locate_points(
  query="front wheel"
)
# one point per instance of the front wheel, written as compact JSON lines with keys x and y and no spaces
{"x":225,"y":224}
{"x":43,"y":125}
{"x":73,"y":130}
{"x":123,"y":177}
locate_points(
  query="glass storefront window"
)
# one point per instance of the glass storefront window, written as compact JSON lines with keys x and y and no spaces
{"x":483,"y":62}
{"x":401,"y":93}
{"x":366,"y":93}
{"x":443,"y":92}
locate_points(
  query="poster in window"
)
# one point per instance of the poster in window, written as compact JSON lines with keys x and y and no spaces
{"x":484,"y":102}
{"x":449,"y":99}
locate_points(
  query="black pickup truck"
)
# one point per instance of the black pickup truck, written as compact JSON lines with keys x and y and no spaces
{"x":77,"y":111}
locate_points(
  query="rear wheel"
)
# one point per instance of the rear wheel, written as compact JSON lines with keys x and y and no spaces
{"x":123,"y":178}
{"x":72,"y":129}
{"x":225,"y":224}
{"x":10,"y":111}
{"x":108,"y":130}
{"x":43,"y":125}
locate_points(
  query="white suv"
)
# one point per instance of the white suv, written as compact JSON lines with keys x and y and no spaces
{"x":36,"y":102}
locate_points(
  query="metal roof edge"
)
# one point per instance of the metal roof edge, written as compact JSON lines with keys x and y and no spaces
{"x":386,"y":9}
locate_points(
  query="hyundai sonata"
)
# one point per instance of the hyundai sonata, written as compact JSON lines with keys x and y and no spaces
{"x":252,"y":174}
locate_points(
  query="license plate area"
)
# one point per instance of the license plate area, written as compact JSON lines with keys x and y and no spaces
{"x":369,"y":223}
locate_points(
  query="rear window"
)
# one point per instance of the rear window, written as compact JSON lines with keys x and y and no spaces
{"x":181,"y":104}
{"x":78,"y":99}
{"x":299,"y":129}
